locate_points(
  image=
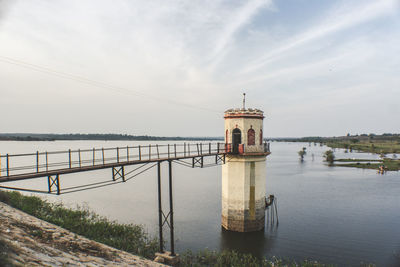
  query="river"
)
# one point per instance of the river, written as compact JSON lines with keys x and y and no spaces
{"x":336,"y":215}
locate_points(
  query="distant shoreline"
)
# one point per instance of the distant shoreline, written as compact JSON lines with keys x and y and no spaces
{"x":97,"y":137}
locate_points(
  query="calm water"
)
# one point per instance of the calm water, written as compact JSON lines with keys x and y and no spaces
{"x":337,"y":215}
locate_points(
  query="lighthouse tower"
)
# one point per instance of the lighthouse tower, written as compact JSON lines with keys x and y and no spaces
{"x":243,"y":174}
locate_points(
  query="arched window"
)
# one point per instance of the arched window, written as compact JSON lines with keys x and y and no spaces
{"x":226,"y":137}
{"x":236,"y":140}
{"x":261,"y":137}
{"x":251,"y":137}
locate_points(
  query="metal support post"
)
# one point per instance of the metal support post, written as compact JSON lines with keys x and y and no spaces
{"x":197,"y":162}
{"x":37,"y":161}
{"x":47,"y":162}
{"x":54,"y":181}
{"x":149,"y":152}
{"x":171,"y":208}
{"x":7,"y":165}
{"x":118,"y":173}
{"x":69,"y":156}
{"x":160,"y":213}
{"x":220,"y":159}
{"x":175,"y":150}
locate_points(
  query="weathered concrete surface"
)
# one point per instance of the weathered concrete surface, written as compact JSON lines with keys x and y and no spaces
{"x":35,"y":242}
{"x":243,"y":193}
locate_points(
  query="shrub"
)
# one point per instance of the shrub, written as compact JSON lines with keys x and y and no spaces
{"x":329,"y":156}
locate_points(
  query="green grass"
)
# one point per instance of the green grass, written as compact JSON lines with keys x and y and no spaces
{"x":232,"y":258}
{"x":386,"y":147}
{"x":390,"y":164}
{"x":358,"y":160}
{"x":128,"y":237}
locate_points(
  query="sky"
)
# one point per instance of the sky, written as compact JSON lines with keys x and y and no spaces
{"x":171,"y":68}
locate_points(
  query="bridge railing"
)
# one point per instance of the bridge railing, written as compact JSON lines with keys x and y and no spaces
{"x":14,"y":164}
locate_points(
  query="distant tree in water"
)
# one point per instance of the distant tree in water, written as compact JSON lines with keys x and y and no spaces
{"x":329,"y":156}
{"x":302,"y":153}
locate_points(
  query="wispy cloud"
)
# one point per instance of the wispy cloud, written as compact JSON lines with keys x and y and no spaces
{"x":340,"y":19}
{"x":237,"y":20}
{"x":171,"y":59}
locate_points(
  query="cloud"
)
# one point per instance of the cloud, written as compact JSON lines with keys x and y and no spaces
{"x":237,"y":20}
{"x":340,"y":19}
{"x":162,"y":64}
{"x":4,"y":7}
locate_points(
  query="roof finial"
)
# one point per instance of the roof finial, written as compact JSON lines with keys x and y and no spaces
{"x":244,"y":100}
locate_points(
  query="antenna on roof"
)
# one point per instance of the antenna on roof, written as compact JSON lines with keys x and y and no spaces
{"x":244,"y":100}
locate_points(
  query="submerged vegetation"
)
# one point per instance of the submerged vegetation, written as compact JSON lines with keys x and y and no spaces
{"x":232,"y":258}
{"x":386,"y":143}
{"x":384,"y":164}
{"x":329,"y":156}
{"x":383,"y":145}
{"x":302,"y":153}
{"x":379,"y":147}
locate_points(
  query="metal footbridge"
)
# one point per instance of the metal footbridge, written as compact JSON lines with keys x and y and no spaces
{"x":16,"y":167}
{"x":53,"y":164}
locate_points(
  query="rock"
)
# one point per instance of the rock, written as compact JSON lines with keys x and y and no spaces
{"x":159,"y":259}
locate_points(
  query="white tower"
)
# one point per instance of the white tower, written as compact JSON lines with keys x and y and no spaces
{"x":243,"y":174}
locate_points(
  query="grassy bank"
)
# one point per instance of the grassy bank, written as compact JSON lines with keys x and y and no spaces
{"x":389,"y":164}
{"x":206,"y":258}
{"x":378,"y":147}
{"x":127,"y":237}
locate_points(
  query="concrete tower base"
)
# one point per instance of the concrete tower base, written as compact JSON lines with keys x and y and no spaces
{"x":243,"y":193}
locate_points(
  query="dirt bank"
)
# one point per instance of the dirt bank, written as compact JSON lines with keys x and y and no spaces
{"x":31,"y":241}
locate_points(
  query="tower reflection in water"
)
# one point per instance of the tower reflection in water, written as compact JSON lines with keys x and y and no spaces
{"x":257,"y":243}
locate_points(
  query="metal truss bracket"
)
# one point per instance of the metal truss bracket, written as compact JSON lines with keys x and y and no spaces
{"x":197,"y":162}
{"x":54,"y":181}
{"x":165,"y":219}
{"x":118,"y":173}
{"x":220,"y":159}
